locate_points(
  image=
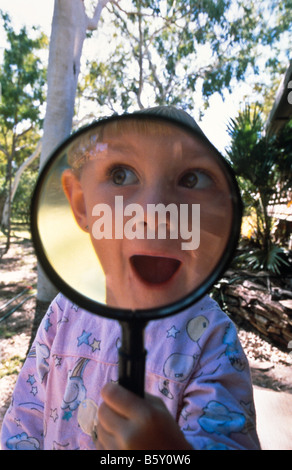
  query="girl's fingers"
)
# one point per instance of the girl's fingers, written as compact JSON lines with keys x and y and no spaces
{"x":111,"y":421}
{"x":122,"y":401}
{"x":105,"y":440}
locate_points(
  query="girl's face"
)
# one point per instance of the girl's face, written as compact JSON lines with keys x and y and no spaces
{"x":150,"y":269}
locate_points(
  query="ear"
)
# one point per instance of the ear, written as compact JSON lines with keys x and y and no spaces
{"x":74,"y":193}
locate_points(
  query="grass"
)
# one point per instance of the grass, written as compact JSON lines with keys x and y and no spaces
{"x":11,"y":366}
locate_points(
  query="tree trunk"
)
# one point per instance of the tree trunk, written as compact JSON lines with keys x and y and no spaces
{"x":69,"y":26}
{"x":67,"y":36}
{"x":7,"y":209}
{"x":21,"y":169}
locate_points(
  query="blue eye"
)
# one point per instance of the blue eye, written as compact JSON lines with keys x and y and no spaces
{"x":196,"y":179}
{"x":123,"y":176}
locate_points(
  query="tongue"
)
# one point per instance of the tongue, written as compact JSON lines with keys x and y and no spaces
{"x":154,"y":269}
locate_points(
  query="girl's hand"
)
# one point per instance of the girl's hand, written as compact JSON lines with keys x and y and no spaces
{"x":128,"y":422}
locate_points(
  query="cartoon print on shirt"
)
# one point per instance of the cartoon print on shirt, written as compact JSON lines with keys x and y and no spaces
{"x":172,"y":332}
{"x":196,"y":327}
{"x":179,"y":366}
{"x":84,"y":339}
{"x":249,"y":411}
{"x":61,"y":428}
{"x":217,"y":418}
{"x":58,"y":446}
{"x":54,"y":414}
{"x":58,"y":360}
{"x":75,"y":391}
{"x":32,"y":381}
{"x":23,"y":442}
{"x":118,"y":344}
{"x":59,"y":304}
{"x":212,"y":445}
{"x":74,"y":307}
{"x":41,"y":352}
{"x":164,"y":388}
{"x":233,"y":351}
{"x":48,"y":323}
{"x":88,"y":417}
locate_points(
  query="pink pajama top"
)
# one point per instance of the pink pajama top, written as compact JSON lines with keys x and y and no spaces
{"x":195,"y":364}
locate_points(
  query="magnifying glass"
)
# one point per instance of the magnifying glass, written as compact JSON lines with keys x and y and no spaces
{"x":134,"y":218}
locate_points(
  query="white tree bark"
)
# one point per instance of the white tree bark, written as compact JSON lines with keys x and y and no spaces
{"x":21,"y":169}
{"x":68,"y":33}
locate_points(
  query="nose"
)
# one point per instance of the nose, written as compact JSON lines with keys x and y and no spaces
{"x":159,"y":217}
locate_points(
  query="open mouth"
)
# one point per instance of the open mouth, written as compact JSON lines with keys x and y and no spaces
{"x":154,"y":269}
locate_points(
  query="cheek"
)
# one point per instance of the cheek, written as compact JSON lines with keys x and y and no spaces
{"x":110,"y":255}
{"x":215,"y":211}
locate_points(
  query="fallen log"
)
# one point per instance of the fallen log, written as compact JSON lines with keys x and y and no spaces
{"x":254,"y":301}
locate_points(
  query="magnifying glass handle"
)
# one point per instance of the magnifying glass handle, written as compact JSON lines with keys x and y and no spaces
{"x":132,"y":356}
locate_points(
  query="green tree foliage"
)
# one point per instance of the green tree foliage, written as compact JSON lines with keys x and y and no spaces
{"x":264,"y":167}
{"x":22,"y":78}
{"x":165,"y":51}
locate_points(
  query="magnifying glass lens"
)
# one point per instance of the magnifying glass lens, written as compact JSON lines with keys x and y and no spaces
{"x":136,"y":214}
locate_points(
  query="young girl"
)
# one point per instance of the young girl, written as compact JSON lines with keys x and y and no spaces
{"x":198,"y":387}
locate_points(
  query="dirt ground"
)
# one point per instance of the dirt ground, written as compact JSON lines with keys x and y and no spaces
{"x":271,"y":367}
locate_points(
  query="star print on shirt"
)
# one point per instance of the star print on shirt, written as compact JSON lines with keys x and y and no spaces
{"x":54,"y":415}
{"x":67,"y":415}
{"x":95,"y":345}
{"x":50,"y":311}
{"x":34,"y":390}
{"x":172,"y":332}
{"x":31,"y":379}
{"x":84,"y":339}
{"x":48,"y":324}
{"x":58,"y":360}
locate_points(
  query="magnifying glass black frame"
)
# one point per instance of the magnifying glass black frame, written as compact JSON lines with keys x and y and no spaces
{"x":132,"y":354}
